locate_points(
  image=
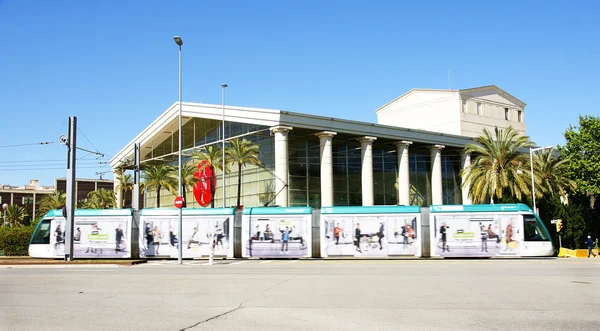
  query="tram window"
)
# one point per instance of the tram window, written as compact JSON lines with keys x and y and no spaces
{"x":42,"y":234}
{"x":533,"y":229}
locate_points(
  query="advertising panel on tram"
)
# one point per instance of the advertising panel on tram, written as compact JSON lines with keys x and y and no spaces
{"x":159,"y":235}
{"x":373,"y":231}
{"x":270,"y":232}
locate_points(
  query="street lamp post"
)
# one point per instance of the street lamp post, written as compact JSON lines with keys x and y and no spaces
{"x":179,"y":42}
{"x":531,"y":151}
{"x":4,"y":206}
{"x":223,"y":87}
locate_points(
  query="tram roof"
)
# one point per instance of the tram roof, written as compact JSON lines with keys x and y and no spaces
{"x":277,"y":210}
{"x":186,"y":211}
{"x":370,"y":210}
{"x":92,"y":212}
{"x":480,"y":208}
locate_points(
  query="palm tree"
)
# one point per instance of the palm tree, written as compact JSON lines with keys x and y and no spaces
{"x":56,"y":200}
{"x":499,"y":165}
{"x":550,"y":174}
{"x":187,"y":180}
{"x":15,"y":214}
{"x":125,"y":183}
{"x":100,"y":199}
{"x":214,"y":156}
{"x":158,"y":176}
{"x":242,"y":152}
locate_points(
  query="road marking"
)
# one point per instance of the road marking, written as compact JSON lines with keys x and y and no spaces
{"x":268,"y":261}
{"x":240,"y":262}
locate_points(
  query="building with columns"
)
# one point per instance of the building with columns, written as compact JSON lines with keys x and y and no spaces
{"x":319,"y":161}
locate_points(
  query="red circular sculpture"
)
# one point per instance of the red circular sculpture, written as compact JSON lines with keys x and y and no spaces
{"x":205,"y":186}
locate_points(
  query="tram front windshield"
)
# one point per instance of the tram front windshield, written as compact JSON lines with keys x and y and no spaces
{"x":534,"y":230}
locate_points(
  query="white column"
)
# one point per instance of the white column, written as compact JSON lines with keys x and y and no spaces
{"x":326,"y":168}
{"x":403,"y":173}
{"x":436,"y":175}
{"x":366,"y":160}
{"x":465,"y":161}
{"x":118,"y":197}
{"x":281,"y":164}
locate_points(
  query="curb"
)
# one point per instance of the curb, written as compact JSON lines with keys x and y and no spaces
{"x":57,"y":266}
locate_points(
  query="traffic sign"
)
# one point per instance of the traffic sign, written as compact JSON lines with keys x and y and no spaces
{"x":179,"y":202}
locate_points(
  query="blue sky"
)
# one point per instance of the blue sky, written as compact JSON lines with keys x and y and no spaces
{"x":113,"y":64}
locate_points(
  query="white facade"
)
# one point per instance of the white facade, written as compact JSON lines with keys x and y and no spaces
{"x":458,"y":112}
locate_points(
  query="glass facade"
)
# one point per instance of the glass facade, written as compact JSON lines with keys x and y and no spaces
{"x":304,"y":181}
{"x":258,"y":183}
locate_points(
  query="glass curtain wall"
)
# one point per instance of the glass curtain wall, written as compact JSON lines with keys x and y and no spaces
{"x":258,"y":183}
{"x":304,"y":171}
{"x":451,"y":180}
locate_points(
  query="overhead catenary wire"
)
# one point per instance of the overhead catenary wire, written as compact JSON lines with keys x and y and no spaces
{"x":86,"y":138}
{"x":31,"y":144}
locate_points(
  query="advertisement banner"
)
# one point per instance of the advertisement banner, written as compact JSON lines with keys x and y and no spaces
{"x":368,"y":235}
{"x":159,"y":236}
{"x":276,"y":235}
{"x":481,"y":236}
{"x":94,"y":237}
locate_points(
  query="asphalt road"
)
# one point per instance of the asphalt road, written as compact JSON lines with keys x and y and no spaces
{"x":536,"y":294}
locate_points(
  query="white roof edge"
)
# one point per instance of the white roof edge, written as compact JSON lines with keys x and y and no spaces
{"x":171,"y":112}
{"x":411,"y":91}
{"x":493,"y":87}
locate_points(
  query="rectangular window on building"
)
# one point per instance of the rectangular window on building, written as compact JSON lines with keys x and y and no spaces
{"x":479,"y":111}
{"x":506,"y":114}
{"x":520,"y":116}
{"x":465,"y":108}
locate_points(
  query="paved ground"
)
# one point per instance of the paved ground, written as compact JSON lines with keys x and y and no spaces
{"x":537,"y":294}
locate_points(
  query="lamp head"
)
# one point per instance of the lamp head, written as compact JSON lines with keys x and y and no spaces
{"x":223,"y":85}
{"x":178,"y":40}
{"x":4,"y":206}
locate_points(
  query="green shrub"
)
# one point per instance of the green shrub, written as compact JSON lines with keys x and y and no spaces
{"x":14,"y":241}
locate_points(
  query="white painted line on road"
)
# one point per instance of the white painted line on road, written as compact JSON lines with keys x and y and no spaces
{"x":269,"y":261}
{"x":239,"y":262}
{"x":294,"y":261}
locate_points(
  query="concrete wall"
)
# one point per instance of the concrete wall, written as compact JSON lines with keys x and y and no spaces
{"x":430,"y":110}
{"x":492,"y":105}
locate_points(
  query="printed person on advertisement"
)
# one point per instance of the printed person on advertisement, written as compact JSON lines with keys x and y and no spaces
{"x":484,"y":237}
{"x":119,"y":236}
{"x":296,"y":237}
{"x":194,"y":238}
{"x":357,"y":236}
{"x":443,"y":230}
{"x":58,"y":234}
{"x":336,"y":233}
{"x":157,"y":237}
{"x":149,"y":237}
{"x":380,"y":235}
{"x":285,"y":237}
{"x":77,"y":236}
{"x":219,"y":234}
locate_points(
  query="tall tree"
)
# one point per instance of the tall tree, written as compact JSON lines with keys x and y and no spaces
{"x":187,"y":180}
{"x":15,"y":215}
{"x":100,"y":199}
{"x":55,"y":200}
{"x":214,"y":156}
{"x":125,"y":183}
{"x":242,"y":152}
{"x":550,"y":174}
{"x":582,"y":150}
{"x":158,"y":176}
{"x":498,"y":166}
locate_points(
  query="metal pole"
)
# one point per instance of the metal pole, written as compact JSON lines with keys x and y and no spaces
{"x":532,"y":183}
{"x":71,"y":176}
{"x":136,"y":177}
{"x":223,"y":142}
{"x":180,"y":255}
